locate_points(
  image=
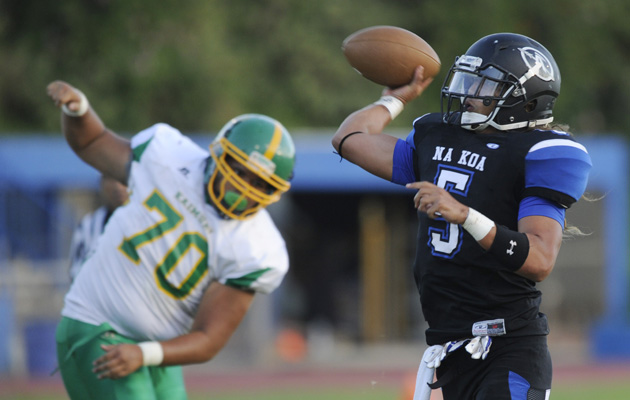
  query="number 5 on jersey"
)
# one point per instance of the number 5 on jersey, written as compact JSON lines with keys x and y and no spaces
{"x":447,"y":241}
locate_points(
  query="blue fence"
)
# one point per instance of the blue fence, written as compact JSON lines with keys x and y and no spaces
{"x":34,"y":168}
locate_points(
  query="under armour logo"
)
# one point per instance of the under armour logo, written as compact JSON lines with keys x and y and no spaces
{"x":184,"y":171}
{"x":512,"y":245}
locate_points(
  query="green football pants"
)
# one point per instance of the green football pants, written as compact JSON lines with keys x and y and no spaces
{"x":79,"y":344}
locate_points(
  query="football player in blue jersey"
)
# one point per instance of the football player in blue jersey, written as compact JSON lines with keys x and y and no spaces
{"x":494,"y":177}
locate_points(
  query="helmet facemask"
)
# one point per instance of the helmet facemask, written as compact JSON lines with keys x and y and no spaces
{"x":490,"y":85}
{"x":240,"y":184}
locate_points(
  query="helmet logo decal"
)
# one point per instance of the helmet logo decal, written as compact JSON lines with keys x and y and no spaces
{"x":538,"y":63}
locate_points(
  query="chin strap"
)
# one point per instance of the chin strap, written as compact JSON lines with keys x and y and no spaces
{"x":474,"y":121}
{"x":479,"y":122}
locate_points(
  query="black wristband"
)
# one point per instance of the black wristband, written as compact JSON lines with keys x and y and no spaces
{"x":510,"y":248}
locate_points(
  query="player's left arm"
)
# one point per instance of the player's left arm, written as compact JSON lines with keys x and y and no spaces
{"x":221,"y":311}
{"x":556,"y":172}
{"x":530,"y":252}
{"x":545,"y":238}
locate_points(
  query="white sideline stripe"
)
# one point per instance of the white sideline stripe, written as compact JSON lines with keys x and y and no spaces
{"x":557,"y":142}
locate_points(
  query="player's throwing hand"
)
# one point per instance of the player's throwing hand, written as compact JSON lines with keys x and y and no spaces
{"x":413,"y":89}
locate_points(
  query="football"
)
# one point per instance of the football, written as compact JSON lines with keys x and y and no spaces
{"x":388,"y":55}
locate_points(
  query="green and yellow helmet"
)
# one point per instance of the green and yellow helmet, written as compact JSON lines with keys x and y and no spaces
{"x":264,"y":147}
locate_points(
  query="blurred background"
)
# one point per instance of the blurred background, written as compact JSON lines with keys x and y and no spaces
{"x":349,"y":298}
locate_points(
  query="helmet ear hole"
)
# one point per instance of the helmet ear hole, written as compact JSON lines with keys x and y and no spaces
{"x":531,"y":106}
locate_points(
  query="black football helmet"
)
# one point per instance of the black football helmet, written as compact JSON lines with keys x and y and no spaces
{"x":514,"y":72}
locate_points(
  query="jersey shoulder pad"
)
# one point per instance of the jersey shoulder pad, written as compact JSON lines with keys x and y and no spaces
{"x":428,"y":119}
{"x":556,"y":168}
{"x":164,"y":142}
{"x":423,"y":124}
{"x":257,"y":257}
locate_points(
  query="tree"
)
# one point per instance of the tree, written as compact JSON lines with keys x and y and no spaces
{"x":195,"y":64}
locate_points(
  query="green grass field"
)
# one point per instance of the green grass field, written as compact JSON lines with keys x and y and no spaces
{"x":620,"y":391}
{"x":616,"y":391}
{"x":575,"y":382}
{"x":563,"y":391}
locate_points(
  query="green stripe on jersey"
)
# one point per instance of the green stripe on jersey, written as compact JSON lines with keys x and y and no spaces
{"x":245,"y":281}
{"x":138,"y":150}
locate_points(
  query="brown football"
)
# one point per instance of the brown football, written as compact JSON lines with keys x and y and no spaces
{"x":388,"y":55}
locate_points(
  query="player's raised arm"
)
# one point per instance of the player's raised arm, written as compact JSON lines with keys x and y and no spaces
{"x":87,"y":135}
{"x":359,"y":140}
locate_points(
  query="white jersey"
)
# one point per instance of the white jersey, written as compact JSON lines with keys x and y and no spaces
{"x":162,"y":249}
{"x":85,"y":237}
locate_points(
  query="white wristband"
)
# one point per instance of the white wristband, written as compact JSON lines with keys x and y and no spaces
{"x":477,"y":224}
{"x":393,"y":105}
{"x":152,"y":353}
{"x":84,"y":105}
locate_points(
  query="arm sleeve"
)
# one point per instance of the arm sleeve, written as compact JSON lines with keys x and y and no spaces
{"x":534,"y":205}
{"x":557,"y":169}
{"x":402,"y":170}
{"x":262,"y":276}
{"x":256,"y":259}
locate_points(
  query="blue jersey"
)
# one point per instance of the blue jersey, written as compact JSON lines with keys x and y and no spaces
{"x":506,"y":176}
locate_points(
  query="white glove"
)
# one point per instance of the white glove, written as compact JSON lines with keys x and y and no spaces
{"x":433,"y":356}
{"x":437,"y":353}
{"x":479,"y":347}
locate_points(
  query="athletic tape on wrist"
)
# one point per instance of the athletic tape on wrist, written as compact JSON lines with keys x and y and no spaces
{"x":393,"y":105}
{"x":510,"y":247}
{"x":152,"y":353}
{"x":477,"y":224}
{"x":84,"y":105}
